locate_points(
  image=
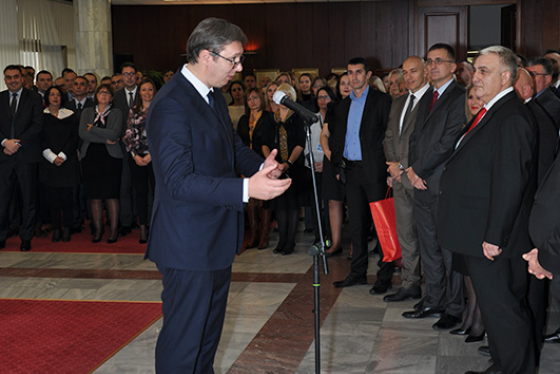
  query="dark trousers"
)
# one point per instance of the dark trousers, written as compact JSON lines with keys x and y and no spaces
{"x":359,"y":193}
{"x":444,"y":287}
{"x":25,"y":176}
{"x":142,"y":179}
{"x":61,"y":202}
{"x":194,"y":308}
{"x":126,"y":216}
{"x":501,"y":288}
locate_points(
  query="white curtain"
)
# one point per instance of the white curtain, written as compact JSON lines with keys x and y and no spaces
{"x":28,"y":36}
{"x":9,"y":38}
{"x":39,"y":44}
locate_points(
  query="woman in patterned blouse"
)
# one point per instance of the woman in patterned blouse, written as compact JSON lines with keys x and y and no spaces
{"x":140,"y":159}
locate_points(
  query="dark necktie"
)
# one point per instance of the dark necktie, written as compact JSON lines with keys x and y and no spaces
{"x":476,"y":120}
{"x":130,"y":100}
{"x":79,"y":107}
{"x":13,"y":108}
{"x":434,"y":99}
{"x":211,"y":100}
{"x":408,"y":110}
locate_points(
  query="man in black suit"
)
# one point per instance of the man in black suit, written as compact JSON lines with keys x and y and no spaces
{"x":548,"y":141}
{"x":486,"y":193}
{"x":441,"y":114}
{"x":79,"y":100}
{"x":361,"y":121}
{"x":544,"y":228}
{"x":554,"y":57}
{"x":44,"y":81}
{"x":402,"y":119}
{"x":92,"y":84}
{"x":541,"y":70}
{"x":21,"y":121}
{"x":124,"y":100}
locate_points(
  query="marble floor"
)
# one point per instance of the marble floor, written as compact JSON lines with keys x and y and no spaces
{"x":269,"y":324}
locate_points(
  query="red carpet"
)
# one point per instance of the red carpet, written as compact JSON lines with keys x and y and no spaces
{"x":82,"y":243}
{"x":73,"y":337}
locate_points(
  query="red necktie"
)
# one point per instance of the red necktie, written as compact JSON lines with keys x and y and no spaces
{"x":476,"y":120}
{"x":434,"y":99}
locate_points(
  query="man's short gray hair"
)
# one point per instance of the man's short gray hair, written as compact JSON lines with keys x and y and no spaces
{"x":213,"y":34}
{"x":508,"y":59}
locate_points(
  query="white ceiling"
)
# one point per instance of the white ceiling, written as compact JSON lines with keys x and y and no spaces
{"x":199,"y":2}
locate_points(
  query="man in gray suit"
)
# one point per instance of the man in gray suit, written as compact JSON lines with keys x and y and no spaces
{"x":402,"y":118}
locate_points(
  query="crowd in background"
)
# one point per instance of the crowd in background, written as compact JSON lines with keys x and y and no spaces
{"x":75,"y":150}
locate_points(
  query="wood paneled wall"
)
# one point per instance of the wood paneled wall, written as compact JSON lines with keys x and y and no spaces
{"x":285,"y":36}
{"x":311,"y":35}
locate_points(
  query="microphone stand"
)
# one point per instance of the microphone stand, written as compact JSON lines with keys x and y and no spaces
{"x":316,"y":250}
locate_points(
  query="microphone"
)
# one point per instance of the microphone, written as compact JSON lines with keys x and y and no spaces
{"x":305,"y":114}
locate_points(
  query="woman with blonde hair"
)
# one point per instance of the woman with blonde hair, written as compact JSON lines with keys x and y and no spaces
{"x":288,"y":136}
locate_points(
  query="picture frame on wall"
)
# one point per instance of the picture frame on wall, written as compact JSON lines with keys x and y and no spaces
{"x":237,"y":77}
{"x":265,"y":76}
{"x":313,"y":71}
{"x":339,"y":71}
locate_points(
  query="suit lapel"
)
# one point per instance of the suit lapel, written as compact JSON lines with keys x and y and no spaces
{"x":487,"y":117}
{"x":423,"y":108}
{"x":212,"y":118}
{"x":411,"y":117}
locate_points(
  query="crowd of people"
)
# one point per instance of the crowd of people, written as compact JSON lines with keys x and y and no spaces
{"x":74,"y":148}
{"x":464,"y":147}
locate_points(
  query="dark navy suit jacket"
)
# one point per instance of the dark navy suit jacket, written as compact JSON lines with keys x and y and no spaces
{"x":197,"y":221}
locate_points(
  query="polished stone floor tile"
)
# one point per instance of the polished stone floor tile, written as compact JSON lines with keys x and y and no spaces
{"x":269,"y":321}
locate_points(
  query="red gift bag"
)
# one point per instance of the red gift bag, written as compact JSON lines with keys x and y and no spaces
{"x":383,"y":213}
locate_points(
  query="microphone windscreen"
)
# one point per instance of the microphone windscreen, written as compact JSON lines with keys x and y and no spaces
{"x":278,"y":96}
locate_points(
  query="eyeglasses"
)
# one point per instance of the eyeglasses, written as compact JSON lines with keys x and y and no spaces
{"x":534,"y":73}
{"x":129,"y":74}
{"x":323,"y":97}
{"x":437,"y":61}
{"x":233,"y":63}
{"x":104,"y":93}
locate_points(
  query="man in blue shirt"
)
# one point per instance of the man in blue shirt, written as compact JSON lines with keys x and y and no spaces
{"x":360,"y":122}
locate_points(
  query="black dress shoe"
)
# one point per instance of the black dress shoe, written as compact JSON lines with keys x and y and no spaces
{"x":460,"y":331}
{"x":350,"y":281}
{"x":57,"y":234}
{"x":380,"y":288}
{"x":2,"y":244}
{"x":97,"y":237}
{"x":446,"y":322}
{"x":278,"y":250}
{"x":338,"y":252}
{"x":404,"y":294}
{"x":25,"y":245}
{"x":112,"y":240}
{"x":66,"y":234}
{"x":423,"y":313}
{"x":484,"y":350}
{"x":419,"y":305}
{"x":491,"y":370}
{"x":475,"y":338}
{"x":552,"y":338}
{"x":125,"y":230}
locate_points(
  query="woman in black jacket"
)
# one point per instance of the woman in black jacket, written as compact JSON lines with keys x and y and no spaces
{"x":253,"y":128}
{"x":59,"y":171}
{"x":288,"y":136}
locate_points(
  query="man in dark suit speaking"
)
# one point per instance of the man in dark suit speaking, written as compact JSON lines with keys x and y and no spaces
{"x":486,"y":192}
{"x":197,"y":224}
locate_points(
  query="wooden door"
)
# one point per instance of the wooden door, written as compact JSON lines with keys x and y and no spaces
{"x":442,"y":25}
